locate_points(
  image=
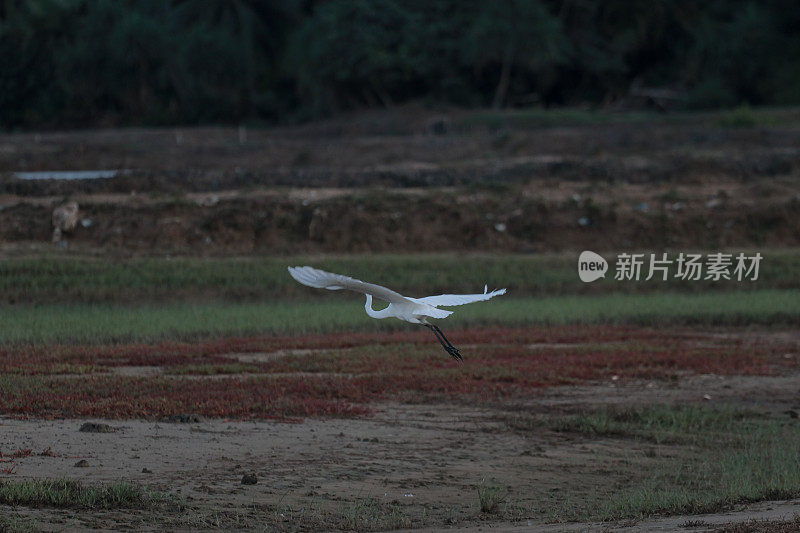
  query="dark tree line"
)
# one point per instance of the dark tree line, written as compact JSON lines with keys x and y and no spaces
{"x":110,"y":62}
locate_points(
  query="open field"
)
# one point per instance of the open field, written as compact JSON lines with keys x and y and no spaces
{"x":58,"y":278}
{"x":52,"y":299}
{"x":220,"y":394}
{"x":540,"y":425}
{"x":151,"y":322}
{"x":575,"y":404}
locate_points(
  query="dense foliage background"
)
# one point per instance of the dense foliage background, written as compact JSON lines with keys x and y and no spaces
{"x":112,"y":62}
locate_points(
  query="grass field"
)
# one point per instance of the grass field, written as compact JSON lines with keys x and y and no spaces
{"x":74,"y":299}
{"x":144,"y":340}
{"x":52,"y":279}
{"x":103,"y":323}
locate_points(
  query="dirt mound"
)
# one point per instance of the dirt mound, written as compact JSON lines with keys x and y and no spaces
{"x":529,"y":219}
{"x":637,"y":185}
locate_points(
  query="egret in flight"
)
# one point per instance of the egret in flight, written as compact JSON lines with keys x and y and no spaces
{"x":414,"y":310}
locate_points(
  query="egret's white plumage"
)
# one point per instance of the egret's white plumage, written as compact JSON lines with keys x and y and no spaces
{"x":414,"y":310}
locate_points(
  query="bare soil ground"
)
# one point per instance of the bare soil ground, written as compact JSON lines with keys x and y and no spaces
{"x":422,"y":463}
{"x":344,"y":188}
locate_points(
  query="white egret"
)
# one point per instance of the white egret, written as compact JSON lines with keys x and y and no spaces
{"x":414,"y":310}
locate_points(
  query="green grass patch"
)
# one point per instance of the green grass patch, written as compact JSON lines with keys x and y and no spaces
{"x":69,"y":493}
{"x":66,"y":279}
{"x":371,"y":514}
{"x":490,"y":497}
{"x":662,"y":423}
{"x":85,"y":323}
{"x":762,"y":467}
{"x":14,"y":523}
{"x":718,"y":458}
{"x":745,"y":116}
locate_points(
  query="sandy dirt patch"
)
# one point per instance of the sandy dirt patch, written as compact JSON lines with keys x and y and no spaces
{"x":426,"y":460}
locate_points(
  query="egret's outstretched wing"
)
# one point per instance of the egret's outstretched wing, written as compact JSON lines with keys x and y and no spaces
{"x":327,"y":280}
{"x":459,"y":299}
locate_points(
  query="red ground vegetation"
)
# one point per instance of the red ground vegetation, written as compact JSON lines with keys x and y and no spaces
{"x":345,"y":373}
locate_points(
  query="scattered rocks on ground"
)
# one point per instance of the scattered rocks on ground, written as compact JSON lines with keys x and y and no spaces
{"x":94,"y":427}
{"x":249,"y":479}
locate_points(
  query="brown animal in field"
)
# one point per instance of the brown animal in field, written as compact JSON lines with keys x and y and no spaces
{"x":65,"y":218}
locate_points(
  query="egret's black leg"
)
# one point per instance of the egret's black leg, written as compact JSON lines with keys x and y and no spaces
{"x":437,"y":328}
{"x":453,"y":350}
{"x":438,"y":338}
{"x":449,"y":348}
